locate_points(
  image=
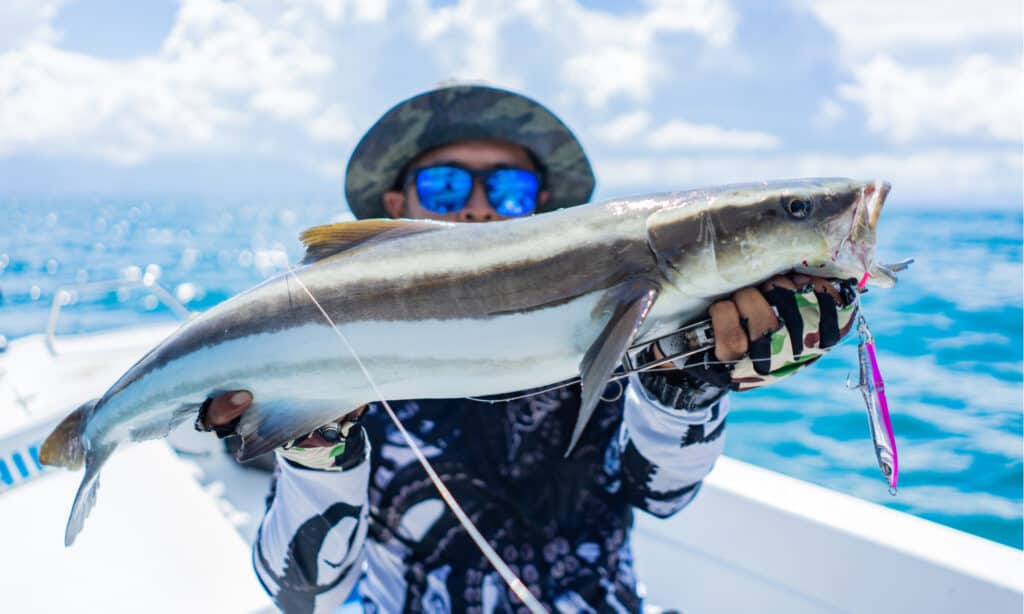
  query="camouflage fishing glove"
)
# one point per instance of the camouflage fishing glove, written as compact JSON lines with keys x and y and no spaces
{"x":810,"y":323}
{"x":346,"y":449}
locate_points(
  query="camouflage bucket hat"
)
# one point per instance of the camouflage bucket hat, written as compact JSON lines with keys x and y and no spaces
{"x":458,"y":113}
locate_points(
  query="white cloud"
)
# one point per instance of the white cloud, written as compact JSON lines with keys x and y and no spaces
{"x":332,"y":126}
{"x":238,"y":76}
{"x":712,"y":19}
{"x":978,"y":97}
{"x":187,"y":97}
{"x":466,"y":37}
{"x":931,"y":68}
{"x":596,"y":55}
{"x":829,"y":112}
{"x":370,"y":11}
{"x":920,"y":177}
{"x":284,"y":103}
{"x":612,"y":56}
{"x":600,"y":74}
{"x":865,"y":28}
{"x":624,"y":128}
{"x":680,"y":134}
{"x":267,"y":77}
{"x":27,"y":21}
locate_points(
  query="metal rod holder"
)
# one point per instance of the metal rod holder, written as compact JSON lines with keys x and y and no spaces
{"x":63,"y":297}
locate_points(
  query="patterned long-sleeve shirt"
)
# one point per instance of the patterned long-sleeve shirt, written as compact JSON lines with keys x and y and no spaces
{"x":562,"y":524}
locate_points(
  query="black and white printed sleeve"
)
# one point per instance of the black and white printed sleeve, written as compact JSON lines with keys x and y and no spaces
{"x":310,"y":548}
{"x":664,"y":453}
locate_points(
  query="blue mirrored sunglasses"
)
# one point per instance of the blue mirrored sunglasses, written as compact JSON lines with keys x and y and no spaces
{"x":446,"y":188}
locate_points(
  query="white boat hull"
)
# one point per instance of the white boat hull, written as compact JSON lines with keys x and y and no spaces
{"x":754,"y":540}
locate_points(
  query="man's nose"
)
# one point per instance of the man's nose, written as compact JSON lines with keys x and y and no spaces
{"x":478,"y":208}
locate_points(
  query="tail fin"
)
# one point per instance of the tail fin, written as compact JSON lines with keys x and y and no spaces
{"x":64,"y":446}
{"x":86,"y":496}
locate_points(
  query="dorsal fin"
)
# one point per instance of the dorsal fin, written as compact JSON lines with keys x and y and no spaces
{"x":325,"y":241}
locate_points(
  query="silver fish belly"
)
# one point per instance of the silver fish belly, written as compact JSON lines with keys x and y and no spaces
{"x":448,"y":310}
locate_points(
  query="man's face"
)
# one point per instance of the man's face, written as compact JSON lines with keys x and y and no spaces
{"x":474,"y":155}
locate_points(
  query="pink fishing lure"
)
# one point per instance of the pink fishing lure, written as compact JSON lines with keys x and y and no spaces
{"x":872,"y":386}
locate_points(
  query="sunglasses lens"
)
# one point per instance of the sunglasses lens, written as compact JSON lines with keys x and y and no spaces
{"x":443,"y":189}
{"x":512,"y":191}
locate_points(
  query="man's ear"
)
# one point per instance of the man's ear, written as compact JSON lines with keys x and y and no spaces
{"x":394,"y":203}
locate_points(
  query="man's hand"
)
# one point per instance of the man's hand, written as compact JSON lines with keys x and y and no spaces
{"x":224,"y":410}
{"x":732,"y":341}
{"x":748,"y":333}
{"x":761,"y":336}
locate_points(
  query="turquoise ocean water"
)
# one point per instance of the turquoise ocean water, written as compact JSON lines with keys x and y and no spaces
{"x":949,"y":336}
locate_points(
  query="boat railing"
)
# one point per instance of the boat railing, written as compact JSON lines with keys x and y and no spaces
{"x":19,"y":453}
{"x":64,"y":296}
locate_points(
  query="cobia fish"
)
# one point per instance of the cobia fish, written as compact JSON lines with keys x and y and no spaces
{"x":441,"y":310}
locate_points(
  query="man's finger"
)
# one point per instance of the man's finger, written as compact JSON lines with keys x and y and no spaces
{"x":754,"y":308}
{"x":730,"y":338}
{"x":227,"y":407}
{"x":829,"y":301}
{"x":761,"y":322}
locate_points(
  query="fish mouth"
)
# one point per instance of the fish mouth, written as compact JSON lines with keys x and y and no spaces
{"x":860,"y":240}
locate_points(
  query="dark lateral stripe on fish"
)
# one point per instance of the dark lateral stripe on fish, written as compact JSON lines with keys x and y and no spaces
{"x":506,"y":289}
{"x":516,"y":287}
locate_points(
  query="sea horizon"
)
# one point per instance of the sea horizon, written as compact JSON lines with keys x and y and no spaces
{"x":949,"y":334}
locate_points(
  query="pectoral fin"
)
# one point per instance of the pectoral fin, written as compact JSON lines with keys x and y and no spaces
{"x":268,"y":425}
{"x":633,"y":301}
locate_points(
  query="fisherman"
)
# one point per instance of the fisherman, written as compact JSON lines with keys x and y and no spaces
{"x":350,"y":501}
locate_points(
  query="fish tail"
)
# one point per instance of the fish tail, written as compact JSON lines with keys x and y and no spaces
{"x":86,"y":496}
{"x":64,"y":447}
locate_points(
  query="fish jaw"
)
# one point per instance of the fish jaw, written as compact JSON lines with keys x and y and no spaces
{"x":856,"y":253}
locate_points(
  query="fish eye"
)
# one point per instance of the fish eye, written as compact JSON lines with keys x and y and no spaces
{"x":798,"y":208}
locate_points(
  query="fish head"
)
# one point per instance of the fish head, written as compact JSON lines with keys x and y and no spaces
{"x":719,"y":240}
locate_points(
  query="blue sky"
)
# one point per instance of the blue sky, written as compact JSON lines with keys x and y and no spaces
{"x":205,"y":98}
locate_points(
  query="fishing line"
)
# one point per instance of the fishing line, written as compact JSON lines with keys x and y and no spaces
{"x":513,"y":582}
{"x":617,"y":376}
